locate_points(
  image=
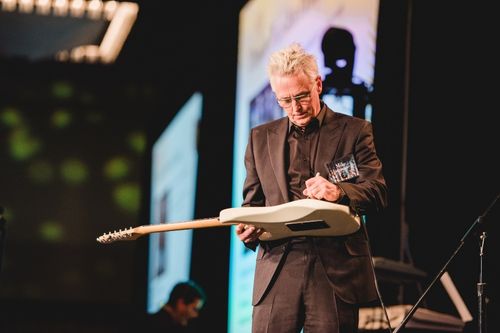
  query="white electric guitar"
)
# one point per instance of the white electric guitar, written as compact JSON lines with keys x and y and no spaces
{"x":305,"y":217}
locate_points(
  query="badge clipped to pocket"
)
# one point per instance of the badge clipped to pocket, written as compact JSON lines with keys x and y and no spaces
{"x":342,"y":169}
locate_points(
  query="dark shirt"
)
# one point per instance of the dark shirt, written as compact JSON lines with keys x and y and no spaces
{"x":162,"y":322}
{"x":300,"y":153}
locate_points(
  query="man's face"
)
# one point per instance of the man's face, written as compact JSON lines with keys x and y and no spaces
{"x":190,"y":311}
{"x":298,"y":97}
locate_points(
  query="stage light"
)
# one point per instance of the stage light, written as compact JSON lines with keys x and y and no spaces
{"x":65,"y":30}
{"x":43,"y":7}
{"x":60,"y":7}
{"x":9,"y":5}
{"x":26,"y":6}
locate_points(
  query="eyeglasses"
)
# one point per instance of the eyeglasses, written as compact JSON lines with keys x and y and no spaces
{"x":287,"y":102}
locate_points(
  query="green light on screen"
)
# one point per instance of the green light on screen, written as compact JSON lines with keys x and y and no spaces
{"x":74,"y":171}
{"x":51,"y":231}
{"x":116,"y":168}
{"x":62,"y":90}
{"x":11,"y":117}
{"x":137,"y":141}
{"x":22,"y":145}
{"x":127,"y":197}
{"x":61,"y":118}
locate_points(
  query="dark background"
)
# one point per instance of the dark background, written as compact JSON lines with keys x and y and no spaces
{"x":434,"y":63}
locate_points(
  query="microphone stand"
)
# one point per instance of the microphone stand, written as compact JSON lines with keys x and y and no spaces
{"x":410,"y":313}
{"x":480,"y":290}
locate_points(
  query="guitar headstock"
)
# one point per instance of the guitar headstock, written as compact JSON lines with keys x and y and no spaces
{"x":126,"y":234}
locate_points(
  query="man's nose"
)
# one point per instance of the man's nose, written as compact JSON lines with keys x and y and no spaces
{"x":296,"y":104}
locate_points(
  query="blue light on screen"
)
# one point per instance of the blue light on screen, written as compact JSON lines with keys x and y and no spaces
{"x":173,"y":186}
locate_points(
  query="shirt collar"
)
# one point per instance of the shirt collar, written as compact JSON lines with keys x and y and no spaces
{"x":320,"y":117}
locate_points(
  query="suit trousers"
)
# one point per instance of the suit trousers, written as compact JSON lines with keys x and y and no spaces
{"x":302,"y":297}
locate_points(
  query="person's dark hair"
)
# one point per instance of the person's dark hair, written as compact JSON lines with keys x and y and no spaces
{"x":188,"y":291}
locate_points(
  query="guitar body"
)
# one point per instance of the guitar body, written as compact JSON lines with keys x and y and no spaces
{"x":306,"y":217}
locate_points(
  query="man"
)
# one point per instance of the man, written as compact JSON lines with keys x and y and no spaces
{"x":184,"y":304}
{"x":314,"y":283}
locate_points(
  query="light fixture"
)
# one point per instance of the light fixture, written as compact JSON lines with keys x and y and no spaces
{"x":65,"y":30}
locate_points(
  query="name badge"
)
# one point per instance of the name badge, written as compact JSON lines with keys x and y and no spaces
{"x":342,"y":169}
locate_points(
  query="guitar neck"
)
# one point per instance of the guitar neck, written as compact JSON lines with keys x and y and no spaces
{"x":134,"y":233}
{"x":195,"y":224}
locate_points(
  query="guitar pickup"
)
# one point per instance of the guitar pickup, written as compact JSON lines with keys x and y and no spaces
{"x":307,"y":225}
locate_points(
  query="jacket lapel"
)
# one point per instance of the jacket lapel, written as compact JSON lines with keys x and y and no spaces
{"x":329,"y":138}
{"x":276,"y":137}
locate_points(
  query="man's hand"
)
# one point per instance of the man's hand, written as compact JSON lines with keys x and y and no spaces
{"x":319,"y":188}
{"x":247,"y":233}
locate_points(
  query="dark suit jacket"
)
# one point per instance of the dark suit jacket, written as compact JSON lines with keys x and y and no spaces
{"x":346,"y":259}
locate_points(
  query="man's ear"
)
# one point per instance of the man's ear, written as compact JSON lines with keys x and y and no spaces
{"x":319,"y":84}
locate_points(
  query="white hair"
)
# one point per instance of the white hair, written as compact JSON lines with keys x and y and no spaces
{"x":292,"y":60}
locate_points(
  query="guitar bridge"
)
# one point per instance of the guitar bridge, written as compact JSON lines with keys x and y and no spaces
{"x":307,"y":225}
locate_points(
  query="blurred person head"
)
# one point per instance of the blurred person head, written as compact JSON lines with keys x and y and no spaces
{"x":185,"y":302}
{"x":338,"y":50}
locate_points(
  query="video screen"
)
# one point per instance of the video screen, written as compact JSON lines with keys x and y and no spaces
{"x":342,"y":35}
{"x":174,"y":165}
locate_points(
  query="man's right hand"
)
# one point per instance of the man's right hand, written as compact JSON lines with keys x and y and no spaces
{"x":247,"y":233}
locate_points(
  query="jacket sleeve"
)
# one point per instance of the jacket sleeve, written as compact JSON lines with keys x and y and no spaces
{"x":252,"y":188}
{"x":369,"y":191}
